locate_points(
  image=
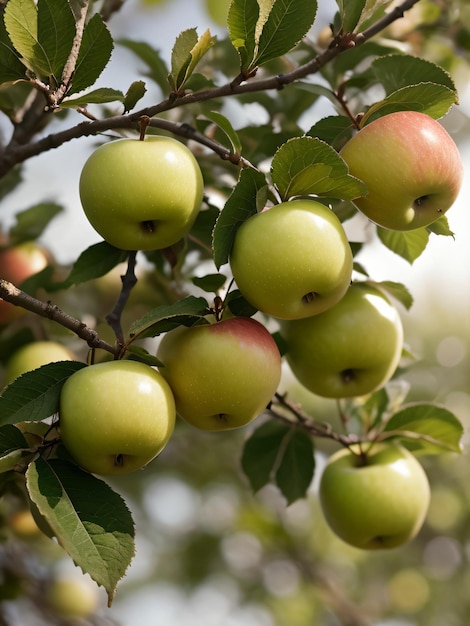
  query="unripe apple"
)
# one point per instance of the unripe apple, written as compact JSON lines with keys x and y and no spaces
{"x":116,"y":416}
{"x":17,"y":263}
{"x":293,"y":260}
{"x":33,"y":355}
{"x":223,"y":375}
{"x":411,"y":167}
{"x":375,"y":501}
{"x":142,"y":195}
{"x":72,"y":597}
{"x":350,"y":350}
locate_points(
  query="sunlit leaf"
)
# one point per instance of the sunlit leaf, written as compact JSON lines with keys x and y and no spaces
{"x":408,"y":244}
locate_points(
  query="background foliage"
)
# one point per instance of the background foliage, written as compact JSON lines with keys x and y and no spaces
{"x":207,"y":548}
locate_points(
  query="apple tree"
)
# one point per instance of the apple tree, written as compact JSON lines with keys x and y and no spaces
{"x":226,"y":290}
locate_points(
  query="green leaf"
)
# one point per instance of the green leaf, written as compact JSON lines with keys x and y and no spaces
{"x":241,"y":21}
{"x":210,"y":283}
{"x":261,"y":451}
{"x":224,"y":124}
{"x":35,"y":395}
{"x":21,"y":23}
{"x":429,"y":98}
{"x":441,"y":227}
{"x":94,"y":262}
{"x":56,"y":32}
{"x":103,"y":95}
{"x":426,"y":429}
{"x":91,"y":522}
{"x":335,"y":130}
{"x":395,"y":71}
{"x":350,"y":12}
{"x":13,"y":446}
{"x":31,"y":223}
{"x":187,"y":51}
{"x":135,"y":93}
{"x":397,"y":291}
{"x":185,"y":312}
{"x":11,"y":68}
{"x":409,"y":244}
{"x":297,"y":466}
{"x":95,"y":52}
{"x":306,"y":166}
{"x":237,"y":304}
{"x":157,"y":69}
{"x":242,"y":203}
{"x":287,"y":23}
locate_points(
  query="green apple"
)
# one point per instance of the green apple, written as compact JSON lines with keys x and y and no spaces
{"x":142,"y":195}
{"x":72,"y":597}
{"x":377,"y":501}
{"x":33,"y":355}
{"x":411,"y":166}
{"x":17,"y":263}
{"x":350,"y":350}
{"x":224,"y":374}
{"x":116,"y":416}
{"x":292,"y":260}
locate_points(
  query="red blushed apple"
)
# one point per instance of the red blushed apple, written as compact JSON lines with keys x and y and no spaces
{"x":411,"y":166}
{"x":16,"y":265}
{"x":222,"y":375}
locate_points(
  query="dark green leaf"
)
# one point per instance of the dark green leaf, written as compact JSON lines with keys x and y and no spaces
{"x":95,"y":52}
{"x":287,"y":23}
{"x":135,"y":92}
{"x":186,"y":312}
{"x":11,"y":68}
{"x":306,"y":166}
{"x":210,"y":283}
{"x":91,"y":522}
{"x":426,"y":429}
{"x":227,"y":128}
{"x":137,"y":353}
{"x":103,"y":95}
{"x":157,"y":69}
{"x":350,"y":12}
{"x":31,"y":223}
{"x":238,"y":305}
{"x":261,"y":452}
{"x":242,"y":203}
{"x":56,"y":32}
{"x":395,"y":71}
{"x":334,"y":130}
{"x":408,"y":244}
{"x":94,"y":262}
{"x":297,"y":466}
{"x":35,"y":395}
{"x":242,"y":19}
{"x":11,"y":438}
{"x":429,"y":98}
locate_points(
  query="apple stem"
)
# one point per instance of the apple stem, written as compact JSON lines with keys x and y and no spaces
{"x":144,"y":121}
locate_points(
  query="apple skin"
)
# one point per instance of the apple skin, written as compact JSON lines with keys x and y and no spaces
{"x":32,"y":355}
{"x":292,"y":260}
{"x":116,"y":416}
{"x":224,"y":374}
{"x":72,"y":597}
{"x":17,"y":263}
{"x":142,"y":195}
{"x":350,"y":350}
{"x":411,"y":166}
{"x":377,"y":505}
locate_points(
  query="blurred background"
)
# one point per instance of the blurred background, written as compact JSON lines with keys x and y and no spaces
{"x":209,"y":551}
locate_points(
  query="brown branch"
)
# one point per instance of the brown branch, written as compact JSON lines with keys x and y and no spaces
{"x":14,"y":153}
{"x":15,"y":296}
{"x":307,"y":423}
{"x":129,"y":281}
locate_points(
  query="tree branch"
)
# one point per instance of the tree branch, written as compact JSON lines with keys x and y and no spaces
{"x":15,"y":296}
{"x":14,"y":153}
{"x":129,"y":281}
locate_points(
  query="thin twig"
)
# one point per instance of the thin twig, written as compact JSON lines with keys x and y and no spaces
{"x":129,"y":280}
{"x":15,"y":296}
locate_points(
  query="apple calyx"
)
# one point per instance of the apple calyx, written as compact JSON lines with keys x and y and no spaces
{"x":310,"y":297}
